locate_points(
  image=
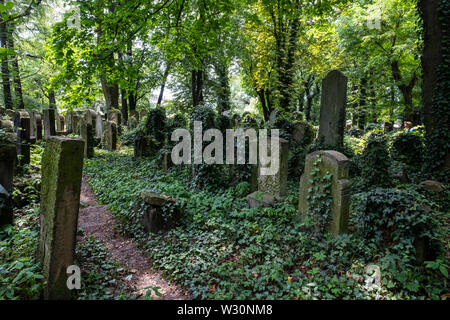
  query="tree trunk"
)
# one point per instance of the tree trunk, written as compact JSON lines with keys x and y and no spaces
{"x":163,"y":84}
{"x":124,"y":107}
{"x":16,"y":72}
{"x":111,"y":94}
{"x":432,"y":56}
{"x":197,"y":87}
{"x":5,"y":67}
{"x":405,"y":89}
{"x":362,"y":104}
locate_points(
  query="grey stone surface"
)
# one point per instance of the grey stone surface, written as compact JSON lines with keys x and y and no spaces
{"x":337,"y":164}
{"x":159,"y":213}
{"x":276,"y":184}
{"x":62,"y":165}
{"x":259,"y":199}
{"x":332,"y":108}
{"x":49,"y":123}
{"x":109,"y":138}
{"x":22,"y":123}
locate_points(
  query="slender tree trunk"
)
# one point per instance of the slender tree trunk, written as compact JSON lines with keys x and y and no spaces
{"x":124,"y":107}
{"x":362,"y":104}
{"x":5,"y":66}
{"x":197,"y":87}
{"x":163,"y":85}
{"x":405,"y":89}
{"x":16,"y":72}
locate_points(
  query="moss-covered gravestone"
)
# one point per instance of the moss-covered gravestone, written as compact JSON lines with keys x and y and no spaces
{"x":109,"y":139}
{"x":49,"y":123}
{"x":332,"y":108}
{"x":275,"y":184}
{"x":62,"y":165}
{"x":87,"y":134}
{"x":311,"y":183}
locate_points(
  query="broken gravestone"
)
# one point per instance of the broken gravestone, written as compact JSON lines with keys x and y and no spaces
{"x":62,"y":165}
{"x":159,"y":213}
{"x":317,"y":165}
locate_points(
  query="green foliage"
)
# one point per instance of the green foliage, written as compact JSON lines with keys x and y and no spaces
{"x":101,"y":276}
{"x":224,"y":250}
{"x":393,"y":219}
{"x":375,"y":161}
{"x":20,"y":274}
{"x":320,"y":199}
{"x":408,"y":147}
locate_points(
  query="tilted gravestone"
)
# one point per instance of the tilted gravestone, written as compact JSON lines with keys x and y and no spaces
{"x":62,"y":165}
{"x":332,"y":108}
{"x":87,"y":135}
{"x":22,"y":122}
{"x":336,"y":164}
{"x":49,"y":123}
{"x":8,"y":159}
{"x":109,"y":139}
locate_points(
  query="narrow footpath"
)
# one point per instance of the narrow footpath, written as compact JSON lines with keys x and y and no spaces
{"x":96,"y":221}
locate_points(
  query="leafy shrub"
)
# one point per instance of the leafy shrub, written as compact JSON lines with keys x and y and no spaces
{"x":375,"y":161}
{"x":408,"y":147}
{"x":394,"y":219}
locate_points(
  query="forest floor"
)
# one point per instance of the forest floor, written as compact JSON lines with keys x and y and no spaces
{"x":95,"y":220}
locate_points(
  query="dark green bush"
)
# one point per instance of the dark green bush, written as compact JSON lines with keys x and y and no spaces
{"x":375,"y":161}
{"x":408,"y":147}
{"x":394,"y":219}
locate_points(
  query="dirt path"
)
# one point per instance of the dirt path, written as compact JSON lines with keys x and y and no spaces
{"x":95,"y":220}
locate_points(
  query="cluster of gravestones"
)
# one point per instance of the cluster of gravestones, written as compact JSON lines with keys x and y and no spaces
{"x":61,"y":171}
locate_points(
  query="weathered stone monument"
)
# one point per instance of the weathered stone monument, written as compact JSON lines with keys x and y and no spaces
{"x":276,"y":184}
{"x":87,"y":135}
{"x":109,"y":138}
{"x":160,"y":213}
{"x":332,"y":108}
{"x":98,"y":127}
{"x":336,"y":164}
{"x":268,"y":189}
{"x":75,"y":117}
{"x":62,"y":165}
{"x":36,"y":125}
{"x":60,"y":123}
{"x":8,"y":158}
{"x":49,"y":123}
{"x":22,"y":122}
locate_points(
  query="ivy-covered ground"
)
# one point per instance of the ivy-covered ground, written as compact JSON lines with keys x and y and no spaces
{"x":222,"y":249}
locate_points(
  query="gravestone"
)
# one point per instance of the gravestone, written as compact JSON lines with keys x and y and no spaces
{"x":160,"y":213}
{"x":276,"y":184}
{"x":75,"y":123}
{"x":90,"y":116}
{"x":87,"y":135}
{"x":8,"y":159}
{"x":60,"y":123}
{"x":49,"y":123}
{"x":109,"y":138}
{"x":337,"y":164}
{"x":116,"y":117}
{"x":259,"y":199}
{"x":36,"y":125}
{"x":332,"y":108}
{"x":22,"y":122}
{"x":98,"y":127}
{"x":62,"y":165}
